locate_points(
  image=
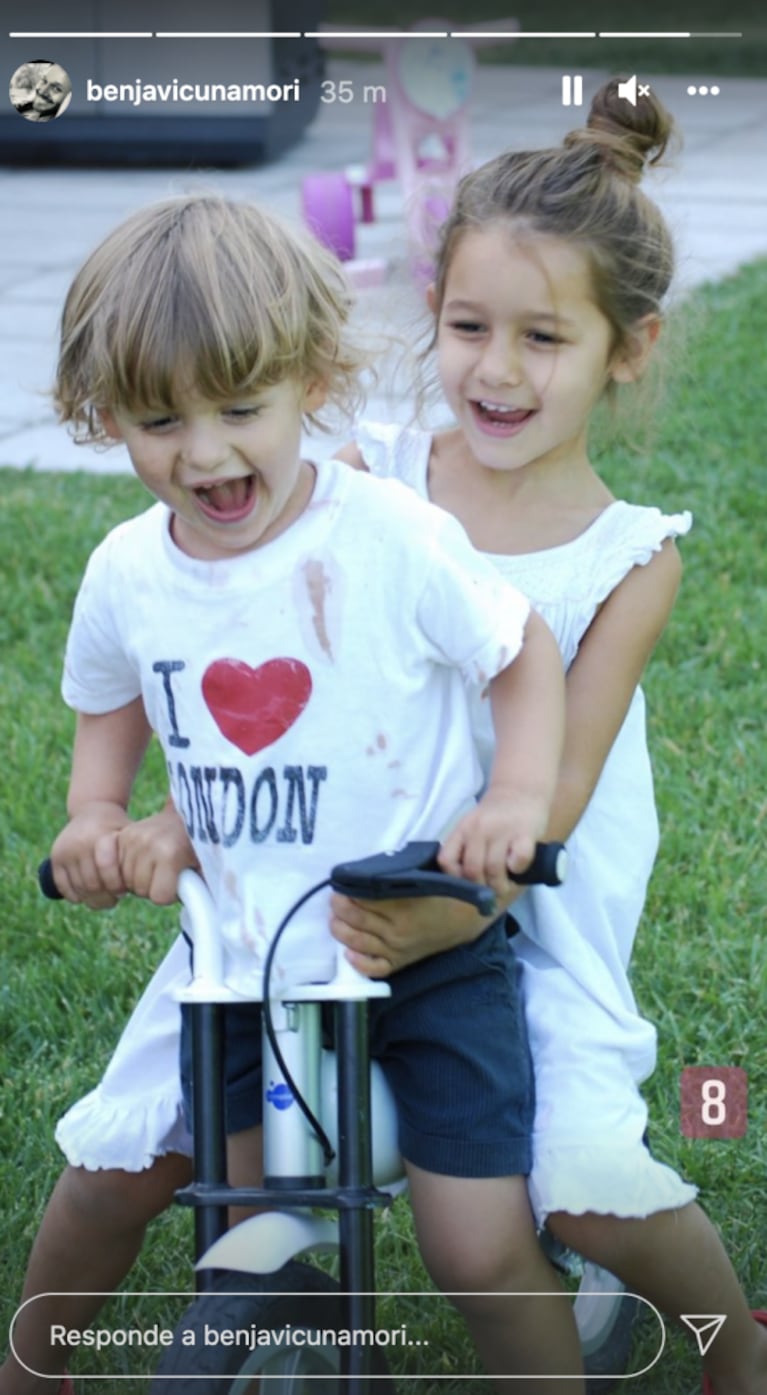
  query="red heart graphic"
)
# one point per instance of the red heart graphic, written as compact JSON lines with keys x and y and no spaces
{"x":252,"y":707}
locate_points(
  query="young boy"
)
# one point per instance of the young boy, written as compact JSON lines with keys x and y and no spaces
{"x":300,"y":637}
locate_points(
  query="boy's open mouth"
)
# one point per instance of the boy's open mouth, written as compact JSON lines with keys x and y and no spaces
{"x":228,"y":501}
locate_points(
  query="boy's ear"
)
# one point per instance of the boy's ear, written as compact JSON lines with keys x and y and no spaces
{"x":629,"y":362}
{"x":315,"y":395}
{"x":110,"y":425}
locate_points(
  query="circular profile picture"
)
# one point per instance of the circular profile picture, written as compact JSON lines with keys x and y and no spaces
{"x":40,"y":90}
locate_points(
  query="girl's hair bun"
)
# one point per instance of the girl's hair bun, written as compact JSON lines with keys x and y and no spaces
{"x":626,"y":137}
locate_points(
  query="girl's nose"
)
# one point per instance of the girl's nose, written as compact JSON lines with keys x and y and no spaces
{"x":500,"y":364}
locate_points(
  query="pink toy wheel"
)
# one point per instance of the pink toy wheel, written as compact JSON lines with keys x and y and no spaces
{"x":328,"y":205}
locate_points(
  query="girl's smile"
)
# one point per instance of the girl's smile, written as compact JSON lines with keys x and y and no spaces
{"x":495,"y":420}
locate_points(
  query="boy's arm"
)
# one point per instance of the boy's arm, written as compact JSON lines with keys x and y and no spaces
{"x":153,"y":851}
{"x":108,"y":750}
{"x":527,"y":700}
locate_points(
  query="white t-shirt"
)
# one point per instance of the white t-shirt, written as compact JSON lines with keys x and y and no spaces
{"x":310,"y":695}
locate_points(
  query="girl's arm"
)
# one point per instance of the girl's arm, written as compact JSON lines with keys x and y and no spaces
{"x":101,"y":854}
{"x":602,"y":680}
{"x":600,"y":684}
{"x":352,"y":455}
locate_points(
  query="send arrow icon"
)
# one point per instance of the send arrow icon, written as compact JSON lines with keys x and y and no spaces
{"x":704,"y":1327}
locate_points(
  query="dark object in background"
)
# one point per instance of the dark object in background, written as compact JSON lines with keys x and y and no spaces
{"x":190,"y":134}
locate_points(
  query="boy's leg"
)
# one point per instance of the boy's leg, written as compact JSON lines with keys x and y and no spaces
{"x":676,"y":1260}
{"x":90,"y":1235}
{"x":89,"y":1238}
{"x":476,"y":1235}
{"x":245,"y":1166}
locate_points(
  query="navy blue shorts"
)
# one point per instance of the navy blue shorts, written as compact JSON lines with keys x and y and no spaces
{"x":453,"y":1045}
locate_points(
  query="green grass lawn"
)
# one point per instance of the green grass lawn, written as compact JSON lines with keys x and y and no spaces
{"x":70,"y":977}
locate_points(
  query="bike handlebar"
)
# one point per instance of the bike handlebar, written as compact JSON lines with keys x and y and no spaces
{"x":46,"y":882}
{"x":413,"y":871}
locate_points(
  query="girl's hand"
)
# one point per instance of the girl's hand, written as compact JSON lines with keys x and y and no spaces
{"x":152,"y":853}
{"x":382,"y":937}
{"x":498,"y":836}
{"x":85,"y":858}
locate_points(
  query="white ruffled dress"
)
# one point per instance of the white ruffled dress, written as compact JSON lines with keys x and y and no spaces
{"x":590,"y":1046}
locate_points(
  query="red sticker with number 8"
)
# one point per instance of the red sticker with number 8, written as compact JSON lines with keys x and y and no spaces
{"x":713,"y":1101}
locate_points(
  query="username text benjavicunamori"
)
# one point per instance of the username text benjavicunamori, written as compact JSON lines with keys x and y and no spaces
{"x":138,"y":93}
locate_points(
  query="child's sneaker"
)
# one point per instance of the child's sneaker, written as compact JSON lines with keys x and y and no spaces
{"x":759,"y":1316}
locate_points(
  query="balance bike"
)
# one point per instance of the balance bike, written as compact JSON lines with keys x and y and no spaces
{"x":330,"y":1143}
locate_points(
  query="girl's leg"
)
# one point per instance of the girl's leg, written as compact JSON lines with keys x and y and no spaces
{"x":677,"y":1261}
{"x":477,"y":1236}
{"x":90,"y":1235}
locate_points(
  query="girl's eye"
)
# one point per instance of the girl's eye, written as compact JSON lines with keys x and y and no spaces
{"x":467,"y":326}
{"x":541,"y":336}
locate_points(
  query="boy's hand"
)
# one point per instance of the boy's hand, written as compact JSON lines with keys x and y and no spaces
{"x":152,"y":853}
{"x":85,"y":857}
{"x":495,"y":838}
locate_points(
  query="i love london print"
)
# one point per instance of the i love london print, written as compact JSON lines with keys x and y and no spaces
{"x":252,"y":708}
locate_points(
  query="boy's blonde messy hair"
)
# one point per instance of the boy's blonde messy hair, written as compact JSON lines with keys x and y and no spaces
{"x":198,"y":295}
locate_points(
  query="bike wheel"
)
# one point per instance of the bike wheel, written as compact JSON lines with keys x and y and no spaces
{"x":307,"y":1305}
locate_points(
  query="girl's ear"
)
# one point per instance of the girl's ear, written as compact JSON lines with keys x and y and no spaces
{"x":629,"y":362}
{"x":431,"y":298}
{"x":110,"y":425}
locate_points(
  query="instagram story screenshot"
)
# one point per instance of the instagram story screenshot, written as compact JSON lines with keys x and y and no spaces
{"x":494,"y":277}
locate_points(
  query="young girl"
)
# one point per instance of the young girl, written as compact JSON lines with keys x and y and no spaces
{"x":233,"y":619}
{"x":548,"y":291}
{"x":550,"y":285}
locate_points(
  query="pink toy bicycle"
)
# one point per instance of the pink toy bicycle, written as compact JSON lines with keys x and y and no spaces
{"x":420,"y":136}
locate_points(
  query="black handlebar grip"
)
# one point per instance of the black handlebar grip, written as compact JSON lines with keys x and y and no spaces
{"x":46,"y":883}
{"x":414,"y":871}
{"x":548,"y":867}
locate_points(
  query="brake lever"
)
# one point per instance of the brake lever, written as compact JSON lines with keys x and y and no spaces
{"x":414,"y":871}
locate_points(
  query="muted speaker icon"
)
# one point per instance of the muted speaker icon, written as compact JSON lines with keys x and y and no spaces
{"x":628,"y":90}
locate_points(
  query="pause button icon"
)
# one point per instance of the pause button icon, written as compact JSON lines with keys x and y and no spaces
{"x":572,"y":91}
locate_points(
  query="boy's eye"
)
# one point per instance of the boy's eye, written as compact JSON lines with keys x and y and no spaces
{"x":158,"y":423}
{"x":242,"y":413}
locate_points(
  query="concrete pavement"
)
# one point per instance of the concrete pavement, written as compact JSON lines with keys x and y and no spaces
{"x":715,"y":196}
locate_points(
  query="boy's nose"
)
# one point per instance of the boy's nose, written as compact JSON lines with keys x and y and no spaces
{"x":204,"y":446}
